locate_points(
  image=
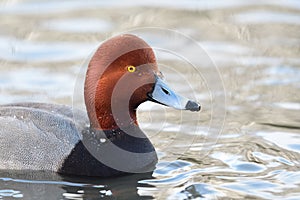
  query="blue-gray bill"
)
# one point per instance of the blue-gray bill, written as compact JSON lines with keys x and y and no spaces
{"x":163,"y":94}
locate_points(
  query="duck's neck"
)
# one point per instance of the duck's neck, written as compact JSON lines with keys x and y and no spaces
{"x":105,"y":111}
{"x":111,"y":115}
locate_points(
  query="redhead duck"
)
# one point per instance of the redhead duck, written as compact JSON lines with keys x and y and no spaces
{"x":104,"y":141}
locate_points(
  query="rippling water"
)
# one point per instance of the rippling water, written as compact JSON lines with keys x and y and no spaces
{"x":44,"y":46}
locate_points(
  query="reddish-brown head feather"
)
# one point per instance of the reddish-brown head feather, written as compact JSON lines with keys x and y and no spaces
{"x":112,"y":94}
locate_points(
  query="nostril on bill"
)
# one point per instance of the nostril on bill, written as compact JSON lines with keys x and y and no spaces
{"x":165,"y":91}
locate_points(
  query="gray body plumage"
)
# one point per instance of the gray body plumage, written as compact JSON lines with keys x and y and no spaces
{"x":38,"y":136}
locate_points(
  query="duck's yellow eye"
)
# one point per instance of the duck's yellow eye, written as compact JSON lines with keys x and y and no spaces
{"x":131,"y":68}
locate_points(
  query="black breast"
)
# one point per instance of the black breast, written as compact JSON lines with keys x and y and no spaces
{"x":111,"y":153}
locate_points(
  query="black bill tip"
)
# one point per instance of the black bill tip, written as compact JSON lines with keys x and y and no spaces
{"x":193,"y":106}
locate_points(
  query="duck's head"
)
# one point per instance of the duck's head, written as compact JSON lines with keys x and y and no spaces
{"x":122,"y":74}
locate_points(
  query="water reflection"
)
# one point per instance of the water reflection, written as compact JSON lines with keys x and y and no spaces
{"x":13,"y":49}
{"x":78,"y":25}
{"x":267,"y":17}
{"x":38,"y":185}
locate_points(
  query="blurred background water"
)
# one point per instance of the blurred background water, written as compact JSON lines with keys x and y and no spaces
{"x":256,"y":48}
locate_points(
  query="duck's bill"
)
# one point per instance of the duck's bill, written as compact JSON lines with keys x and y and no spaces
{"x":163,"y":94}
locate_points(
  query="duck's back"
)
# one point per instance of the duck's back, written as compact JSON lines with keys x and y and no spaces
{"x":38,"y":136}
